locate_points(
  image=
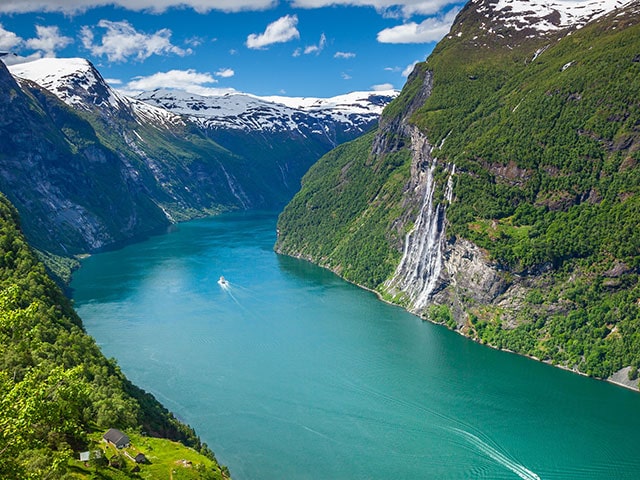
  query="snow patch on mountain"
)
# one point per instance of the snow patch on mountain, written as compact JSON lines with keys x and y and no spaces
{"x":67,"y":78}
{"x":77,"y":83}
{"x":250,"y":112}
{"x":543,"y":16}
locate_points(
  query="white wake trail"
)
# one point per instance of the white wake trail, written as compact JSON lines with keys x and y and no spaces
{"x":520,"y":470}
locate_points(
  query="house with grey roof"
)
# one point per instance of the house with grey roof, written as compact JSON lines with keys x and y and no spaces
{"x":116,"y":438}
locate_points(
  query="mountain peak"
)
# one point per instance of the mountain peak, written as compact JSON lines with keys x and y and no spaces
{"x":532,"y":18}
{"x":74,"y":80}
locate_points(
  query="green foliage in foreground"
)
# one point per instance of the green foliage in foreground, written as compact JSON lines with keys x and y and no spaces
{"x":56,"y":387}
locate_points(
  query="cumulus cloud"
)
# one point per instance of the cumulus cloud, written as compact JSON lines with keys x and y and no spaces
{"x":281,"y":31}
{"x":178,"y":79}
{"x":8,"y":40}
{"x":190,"y":81}
{"x":225,"y":73}
{"x":156,"y":6}
{"x":317,"y":48}
{"x":48,"y":41}
{"x":13,"y":59}
{"x":382,"y":87}
{"x":388,"y":8}
{"x":344,"y":55}
{"x":122,"y":41}
{"x":430,"y":30}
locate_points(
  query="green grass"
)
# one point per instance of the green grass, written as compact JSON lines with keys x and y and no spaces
{"x":167,"y":460}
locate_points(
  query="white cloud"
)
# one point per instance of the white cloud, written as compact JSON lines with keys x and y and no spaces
{"x":225,"y":73}
{"x":196,"y":41}
{"x":346,"y":76}
{"x":430,"y":30}
{"x":113,"y":81}
{"x":317,"y":48}
{"x":344,"y":55}
{"x":389,"y":8}
{"x":382,"y":87}
{"x":297,"y":52}
{"x":13,"y":59}
{"x":178,"y":79}
{"x":409,"y":68}
{"x":48,"y":41}
{"x":8,"y":40}
{"x":281,"y":31}
{"x":189,"y":81}
{"x":122,"y":42}
{"x":156,"y":6}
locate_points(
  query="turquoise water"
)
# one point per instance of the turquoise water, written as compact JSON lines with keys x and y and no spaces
{"x":292,"y":373}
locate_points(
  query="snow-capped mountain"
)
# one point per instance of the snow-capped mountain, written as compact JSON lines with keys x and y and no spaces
{"x":545,"y":16}
{"x":354,"y":112}
{"x":78,"y":83}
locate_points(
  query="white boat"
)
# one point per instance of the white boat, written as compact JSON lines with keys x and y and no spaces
{"x":222,"y":281}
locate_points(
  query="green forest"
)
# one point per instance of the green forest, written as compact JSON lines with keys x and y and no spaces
{"x":58,"y":393}
{"x":544,"y":134}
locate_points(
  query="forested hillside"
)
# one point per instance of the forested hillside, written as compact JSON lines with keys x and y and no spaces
{"x":537,"y":137}
{"x":57,"y":391}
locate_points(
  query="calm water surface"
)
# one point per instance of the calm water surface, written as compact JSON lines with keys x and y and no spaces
{"x":292,"y":373}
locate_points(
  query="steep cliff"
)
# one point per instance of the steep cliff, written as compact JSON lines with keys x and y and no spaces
{"x":511,"y":211}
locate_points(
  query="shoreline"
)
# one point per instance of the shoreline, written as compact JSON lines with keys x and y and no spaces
{"x":618,"y":378}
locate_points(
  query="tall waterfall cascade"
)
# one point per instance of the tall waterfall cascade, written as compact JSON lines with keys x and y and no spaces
{"x":418,"y":272}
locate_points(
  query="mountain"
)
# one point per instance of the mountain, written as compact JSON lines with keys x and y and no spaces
{"x":287,"y":134}
{"x":499,"y":195}
{"x":89,"y":168}
{"x":348,"y":115}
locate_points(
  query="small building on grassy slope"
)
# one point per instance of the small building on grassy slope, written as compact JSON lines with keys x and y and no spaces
{"x":116,"y":438}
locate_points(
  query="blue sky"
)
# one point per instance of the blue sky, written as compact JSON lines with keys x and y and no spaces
{"x":315,"y":48}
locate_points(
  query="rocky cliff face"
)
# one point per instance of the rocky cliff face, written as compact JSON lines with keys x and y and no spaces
{"x":75,"y":194}
{"x":499,"y":194}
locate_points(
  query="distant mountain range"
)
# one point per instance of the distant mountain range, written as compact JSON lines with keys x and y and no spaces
{"x":89,"y":167}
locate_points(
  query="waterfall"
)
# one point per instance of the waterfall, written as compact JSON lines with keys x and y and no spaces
{"x":419,"y":269}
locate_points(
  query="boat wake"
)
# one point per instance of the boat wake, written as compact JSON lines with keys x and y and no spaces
{"x":517,"y":468}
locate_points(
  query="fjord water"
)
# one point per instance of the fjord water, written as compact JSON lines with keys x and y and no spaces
{"x":292,"y":373}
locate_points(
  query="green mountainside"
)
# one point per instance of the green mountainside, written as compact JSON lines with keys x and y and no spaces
{"x":58,"y":393}
{"x":528,"y":149}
